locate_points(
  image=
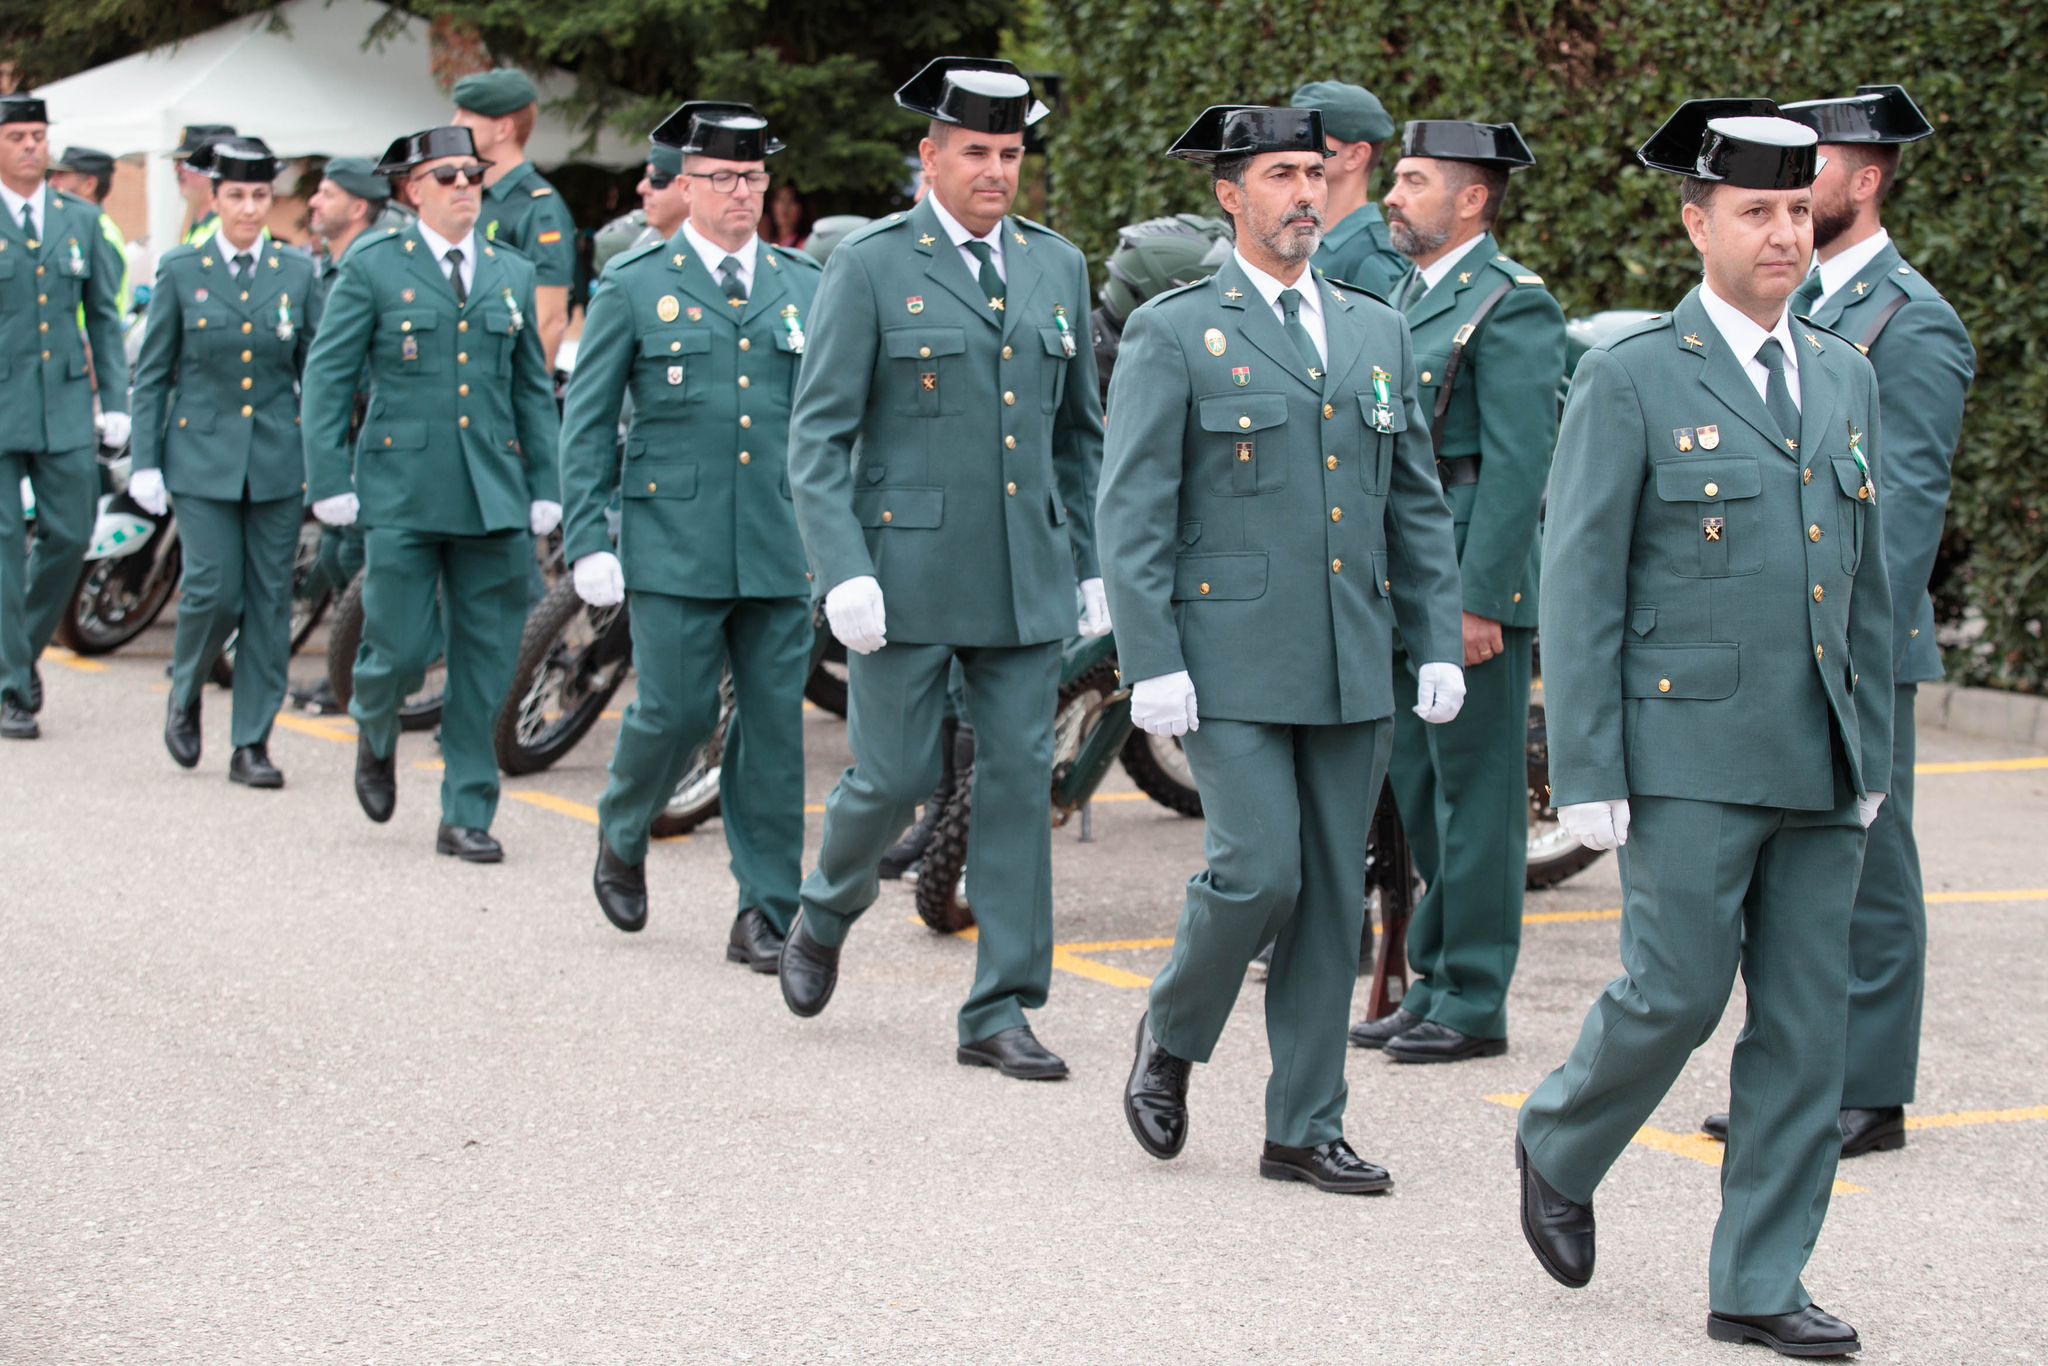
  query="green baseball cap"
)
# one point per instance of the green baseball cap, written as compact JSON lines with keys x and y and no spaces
{"x":1351,"y":113}
{"x":665,"y":159}
{"x":494,"y":94}
{"x":86,"y":161}
{"x":358,"y":175}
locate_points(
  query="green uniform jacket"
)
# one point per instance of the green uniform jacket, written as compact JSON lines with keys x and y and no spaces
{"x":45,"y":389}
{"x":707,"y":509}
{"x":1503,"y":410}
{"x":523,"y":211}
{"x":1265,"y":531}
{"x":948,"y":449}
{"x":461,"y":430}
{"x":1709,"y":613}
{"x":217,"y":383}
{"x":1359,"y":250}
{"x":1924,"y":363}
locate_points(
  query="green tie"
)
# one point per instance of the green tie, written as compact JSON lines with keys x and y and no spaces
{"x":1807,"y":297}
{"x":1778,"y":394}
{"x":991,"y":283}
{"x":28,"y":221}
{"x":1304,"y":344}
{"x":729,"y":281}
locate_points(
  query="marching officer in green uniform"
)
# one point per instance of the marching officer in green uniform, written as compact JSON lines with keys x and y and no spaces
{"x":193,"y":157}
{"x":1489,"y":348}
{"x":217,"y":428}
{"x":53,"y":260}
{"x":1269,"y":514}
{"x":707,"y":331}
{"x":1864,"y":289}
{"x":1356,"y":245}
{"x":1714,"y":593}
{"x":454,"y":473}
{"x":88,"y":173}
{"x":943,"y":450}
{"x":521,"y":209}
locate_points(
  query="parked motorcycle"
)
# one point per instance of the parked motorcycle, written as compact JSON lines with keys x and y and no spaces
{"x":131,"y":568}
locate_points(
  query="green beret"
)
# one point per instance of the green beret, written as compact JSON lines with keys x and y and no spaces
{"x":1351,"y":113}
{"x":494,"y":94}
{"x":358,"y":175}
{"x":665,"y":159}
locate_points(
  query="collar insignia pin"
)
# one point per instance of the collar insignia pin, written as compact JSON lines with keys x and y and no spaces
{"x":1464,"y":277}
{"x":1812,"y":340}
{"x":1233,"y":294}
{"x":926,"y":240}
{"x":1862,"y":286}
{"x":1693,"y":339}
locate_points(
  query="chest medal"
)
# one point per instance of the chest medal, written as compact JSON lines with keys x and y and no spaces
{"x":1214,"y":340}
{"x":409,"y":349}
{"x":284,"y":317}
{"x":1382,"y":400}
{"x":667,"y":308}
{"x":675,"y":374}
{"x":1059,"y":316}
{"x":794,"y":323}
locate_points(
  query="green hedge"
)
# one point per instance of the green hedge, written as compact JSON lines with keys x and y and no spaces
{"x":1586,"y":82}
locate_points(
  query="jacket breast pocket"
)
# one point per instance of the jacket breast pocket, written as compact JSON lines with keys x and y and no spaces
{"x":659,"y":479}
{"x":1383,"y":425}
{"x":1707,"y":672}
{"x":1710,"y":517}
{"x":1854,"y":505}
{"x":1053,"y":386}
{"x":901,"y":506}
{"x":1236,"y":576}
{"x":501,"y":336}
{"x":674,"y":368}
{"x":406,"y":342}
{"x":925,"y":374}
{"x":1243,"y":446}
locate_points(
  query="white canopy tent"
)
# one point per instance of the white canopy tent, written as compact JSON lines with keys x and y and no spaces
{"x":299,"y":77}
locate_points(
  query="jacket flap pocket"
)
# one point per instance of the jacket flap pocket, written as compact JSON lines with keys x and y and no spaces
{"x":922,"y":343}
{"x":1054,"y":346}
{"x":1642,"y":620}
{"x":1705,"y":672}
{"x":1235,"y":577}
{"x":1190,"y":532}
{"x":498,"y":320}
{"x":677,"y":343}
{"x":1059,"y":509}
{"x":1397,"y":413}
{"x":196,"y":418}
{"x":412,"y":320}
{"x":1849,"y":475}
{"x":661,"y":481}
{"x":874,"y":473}
{"x":1709,"y":481}
{"x":920,"y":508}
{"x":395,"y":436}
{"x":1243,"y":412}
{"x":201,"y":318}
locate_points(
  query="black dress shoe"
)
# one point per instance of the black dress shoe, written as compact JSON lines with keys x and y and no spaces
{"x":1808,"y":1332}
{"x":753,"y":941}
{"x":471,"y":846}
{"x":1331,"y":1167}
{"x":376,"y":781}
{"x":16,"y":721}
{"x":808,"y":971}
{"x":1015,"y":1052}
{"x":1156,"y":1096}
{"x":1873,"y":1131}
{"x":1433,"y":1042}
{"x":1559,"y":1230}
{"x":621,"y":888}
{"x":251,"y":767}
{"x":1376,"y":1033}
{"x":181,"y":733}
{"x":1715,"y":1126}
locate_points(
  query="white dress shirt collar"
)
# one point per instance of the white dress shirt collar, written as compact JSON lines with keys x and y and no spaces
{"x":39,"y":208}
{"x":441,"y":246}
{"x":1311,"y":309}
{"x":1434,"y":272}
{"x":1745,"y":339}
{"x":957,"y":232}
{"x":713,"y":256}
{"x":1839,"y":270}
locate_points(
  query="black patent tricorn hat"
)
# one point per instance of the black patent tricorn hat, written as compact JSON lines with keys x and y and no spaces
{"x":1488,"y":144}
{"x":721,"y":129}
{"x":430,"y":144}
{"x":1739,"y":142}
{"x":23,"y":109}
{"x":1875,"y":113}
{"x":1234,"y":130}
{"x":248,"y":160}
{"x":983,"y":94}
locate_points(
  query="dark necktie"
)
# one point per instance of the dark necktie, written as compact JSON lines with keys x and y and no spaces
{"x":243,"y":267}
{"x":729,"y":281}
{"x":1806,"y":298}
{"x":454,"y":259}
{"x":28,"y":221}
{"x":991,"y":283}
{"x":1290,"y":312}
{"x":1412,"y":290}
{"x":1777,"y":393}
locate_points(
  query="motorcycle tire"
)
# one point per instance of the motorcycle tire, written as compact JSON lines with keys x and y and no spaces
{"x":1160,"y":769}
{"x":826,"y":686}
{"x":695,"y":799}
{"x":96,"y":621}
{"x":422,"y":710}
{"x":570,"y":666}
{"x":941,"y":903}
{"x":1554,"y":853}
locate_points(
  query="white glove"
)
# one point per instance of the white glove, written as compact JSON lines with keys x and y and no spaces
{"x":544,"y":516}
{"x":113,"y":429}
{"x":600,"y":580}
{"x":1439,"y":692}
{"x":1165,"y":705}
{"x":146,"y":487}
{"x":1866,"y":808}
{"x":854,"y":611}
{"x":1597,"y":825}
{"x":340,"y":510}
{"x":1094,"y":609}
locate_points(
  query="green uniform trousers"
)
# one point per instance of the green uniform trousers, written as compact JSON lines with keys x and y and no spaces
{"x":896,"y":698}
{"x":680,"y":646}
{"x":238,"y":573}
{"x":1888,"y":940}
{"x":1708,"y":888}
{"x":36,"y":587}
{"x":1287,"y":820}
{"x":341,"y":559}
{"x":482,"y":580}
{"x":1462,"y":789}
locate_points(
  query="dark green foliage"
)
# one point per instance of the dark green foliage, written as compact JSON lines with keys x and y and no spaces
{"x":1586,"y":82}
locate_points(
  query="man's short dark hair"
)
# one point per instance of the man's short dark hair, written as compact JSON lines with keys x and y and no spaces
{"x":1884,"y":156}
{"x":1232,"y":169}
{"x":1694,"y":191}
{"x":1493,"y":178}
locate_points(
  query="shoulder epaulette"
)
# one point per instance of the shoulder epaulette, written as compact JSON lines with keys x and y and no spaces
{"x":1656,"y":322}
{"x":1349,"y":290}
{"x":874,"y":229}
{"x":795,"y":257}
{"x":632,"y":254}
{"x":1041,"y":228}
{"x":541,"y":191}
{"x":1163,"y":295}
{"x":1514,"y":270}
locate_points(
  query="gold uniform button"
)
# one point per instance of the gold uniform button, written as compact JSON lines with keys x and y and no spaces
{"x":1205,"y":590}
{"x":924,"y":353}
{"x":247,"y":328}
{"x":463,"y":421}
{"x":1820,"y":652}
{"x":462,"y":326}
{"x":46,"y":355}
{"x":652,"y":486}
{"x":462,"y":391}
{"x":1913,"y":634}
{"x":405,"y":327}
{"x":1329,"y":411}
{"x":248,"y":356}
{"x":1713,"y":490}
{"x":1244,"y":421}
{"x":1813,"y":532}
{"x":1009,"y":399}
{"x":1518,"y":597}
{"x":1011,"y":488}
{"x":888,"y":517}
{"x":1425,"y":376}
{"x":1336,"y":566}
{"x":462,"y":357}
{"x":746,"y":457}
{"x":746,"y":383}
{"x":245,"y":296}
{"x":1007,"y":353}
{"x":1806,"y":476}
{"x":247,"y":411}
{"x":746,"y":345}
{"x":1663,"y":685}
{"x":745,"y":421}
{"x":387,"y":440}
{"x":202,"y":325}
{"x":675,"y":346}
{"x":181,"y":421}
{"x":1009,"y":443}
{"x":42,"y":298}
{"x":1330,"y":462}
{"x":1336,"y":514}
{"x":1820,"y":594}
{"x":248,"y":383}
{"x":42,"y":327}
{"x":1387,"y":584}
{"x":1863,"y":494}
{"x":39,"y":270}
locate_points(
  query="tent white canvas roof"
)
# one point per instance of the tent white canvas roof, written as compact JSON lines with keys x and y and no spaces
{"x":300,"y":77}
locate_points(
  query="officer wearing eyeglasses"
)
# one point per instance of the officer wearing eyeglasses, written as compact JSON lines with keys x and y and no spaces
{"x":454,"y":473}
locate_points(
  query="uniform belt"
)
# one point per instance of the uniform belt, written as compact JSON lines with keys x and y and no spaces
{"x":1457,"y":470}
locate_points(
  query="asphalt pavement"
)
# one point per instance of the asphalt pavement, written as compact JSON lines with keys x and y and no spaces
{"x":280,"y":1085}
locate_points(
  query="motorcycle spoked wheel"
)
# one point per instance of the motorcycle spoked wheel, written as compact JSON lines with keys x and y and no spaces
{"x":1159,"y":767}
{"x":1554,"y":852}
{"x":826,"y":687}
{"x":422,"y":710}
{"x":695,"y":799}
{"x":307,"y":607}
{"x":570,"y":666}
{"x":116,"y":600}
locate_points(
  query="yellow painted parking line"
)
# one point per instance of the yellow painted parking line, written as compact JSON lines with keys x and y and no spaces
{"x":1983,"y":766}
{"x":1980,"y":898}
{"x":1116,"y":946}
{"x":56,"y":654}
{"x":561,"y":806}
{"x":335,"y":730}
{"x":430,"y":765}
{"x":1570,"y":917}
{"x":1967,"y":1119}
